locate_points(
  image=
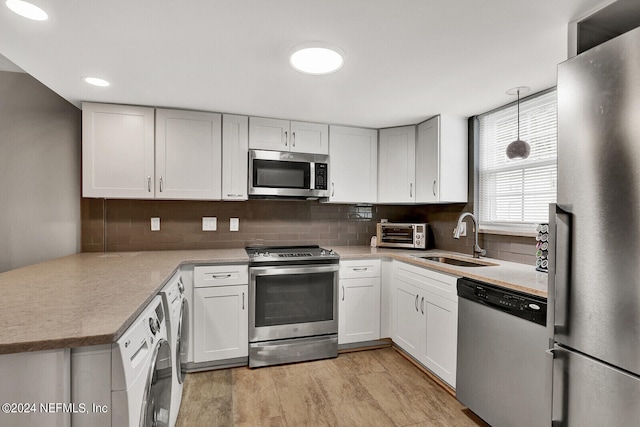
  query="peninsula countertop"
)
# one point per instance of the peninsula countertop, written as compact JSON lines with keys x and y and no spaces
{"x":92,"y":298}
{"x":88,"y":298}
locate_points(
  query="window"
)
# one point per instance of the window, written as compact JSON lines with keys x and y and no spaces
{"x":515,"y":194}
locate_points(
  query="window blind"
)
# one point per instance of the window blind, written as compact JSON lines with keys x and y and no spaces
{"x":518,"y":192}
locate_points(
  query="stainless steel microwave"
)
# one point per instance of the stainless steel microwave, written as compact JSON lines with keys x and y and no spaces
{"x":285,"y":174}
{"x":402,"y":235}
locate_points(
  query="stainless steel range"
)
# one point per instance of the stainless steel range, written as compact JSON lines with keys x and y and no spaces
{"x":293,"y":304}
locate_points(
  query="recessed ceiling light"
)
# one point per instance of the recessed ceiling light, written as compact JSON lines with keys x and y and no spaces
{"x":27,"y":10}
{"x":96,"y":81}
{"x":316,"y":58}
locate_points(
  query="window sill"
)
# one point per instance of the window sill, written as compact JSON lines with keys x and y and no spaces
{"x":504,"y":231}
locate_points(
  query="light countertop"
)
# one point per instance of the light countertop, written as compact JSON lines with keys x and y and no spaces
{"x":88,"y":298}
{"x":511,"y":275}
{"x":92,"y":298}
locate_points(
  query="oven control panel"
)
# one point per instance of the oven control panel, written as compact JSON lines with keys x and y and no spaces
{"x":287,"y":254}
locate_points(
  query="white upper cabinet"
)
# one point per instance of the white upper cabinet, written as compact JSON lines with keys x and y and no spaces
{"x":235,"y":157}
{"x":442,"y":160}
{"x":268,"y":134}
{"x":285,"y":135}
{"x":188,"y":155}
{"x":396,"y":165}
{"x":353,"y":154}
{"x":309,"y":138}
{"x":122,"y":158}
{"x":117,"y":151}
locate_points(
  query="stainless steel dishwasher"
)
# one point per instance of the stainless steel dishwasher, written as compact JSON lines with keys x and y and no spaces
{"x":502,"y":364}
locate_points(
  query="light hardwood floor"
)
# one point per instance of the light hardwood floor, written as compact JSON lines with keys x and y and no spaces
{"x":365,"y":388}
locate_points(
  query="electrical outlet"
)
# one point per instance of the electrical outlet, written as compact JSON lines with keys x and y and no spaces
{"x":209,"y":223}
{"x":155,"y":224}
{"x":463,"y":229}
{"x":234,"y":224}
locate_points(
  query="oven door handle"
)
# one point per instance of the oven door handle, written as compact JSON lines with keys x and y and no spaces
{"x":299,"y":269}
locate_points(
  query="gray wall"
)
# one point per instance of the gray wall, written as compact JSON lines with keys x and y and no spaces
{"x":39,"y":173}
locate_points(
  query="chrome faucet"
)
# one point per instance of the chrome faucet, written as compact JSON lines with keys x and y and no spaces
{"x":477,"y":250}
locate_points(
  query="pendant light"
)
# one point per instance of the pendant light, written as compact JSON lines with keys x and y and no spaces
{"x":518,"y":149}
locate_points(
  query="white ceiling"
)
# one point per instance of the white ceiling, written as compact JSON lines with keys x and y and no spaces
{"x":405,"y":60}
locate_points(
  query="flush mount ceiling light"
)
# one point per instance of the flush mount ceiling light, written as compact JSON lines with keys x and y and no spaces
{"x":27,"y":10}
{"x":316,"y":58}
{"x":96,"y":81}
{"x":518,"y":149}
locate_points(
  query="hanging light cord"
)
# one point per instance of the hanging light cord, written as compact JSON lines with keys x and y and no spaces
{"x":518,"y":149}
{"x":518,"y":92}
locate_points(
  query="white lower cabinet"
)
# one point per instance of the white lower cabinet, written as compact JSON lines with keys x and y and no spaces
{"x":425,"y":317}
{"x":220,"y":313}
{"x":409,"y":322}
{"x":359,"y":301}
{"x":439,"y":353}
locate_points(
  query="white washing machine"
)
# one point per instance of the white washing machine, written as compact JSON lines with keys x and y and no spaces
{"x":177,"y":319}
{"x":127,"y":383}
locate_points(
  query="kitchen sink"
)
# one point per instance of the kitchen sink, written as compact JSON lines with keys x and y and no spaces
{"x":457,"y":262}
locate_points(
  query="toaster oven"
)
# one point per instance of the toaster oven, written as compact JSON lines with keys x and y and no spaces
{"x":402,"y":235}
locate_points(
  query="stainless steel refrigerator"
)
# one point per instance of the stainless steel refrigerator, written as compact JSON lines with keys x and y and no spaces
{"x":594,"y":280}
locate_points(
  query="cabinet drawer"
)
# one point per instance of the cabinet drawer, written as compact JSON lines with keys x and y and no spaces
{"x":220,"y":275}
{"x":359,"y":268}
{"x":432,"y":281}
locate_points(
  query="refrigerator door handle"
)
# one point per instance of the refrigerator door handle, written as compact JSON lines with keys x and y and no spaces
{"x":549,"y":381}
{"x":557,"y":385}
{"x":559,"y":279}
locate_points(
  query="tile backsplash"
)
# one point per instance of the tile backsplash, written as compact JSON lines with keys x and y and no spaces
{"x":442,"y":220}
{"x":124,"y":225}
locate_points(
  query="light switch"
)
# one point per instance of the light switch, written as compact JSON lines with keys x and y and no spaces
{"x":155,"y":224}
{"x":209,"y":223}
{"x":234,"y":224}
{"x":463,"y":229}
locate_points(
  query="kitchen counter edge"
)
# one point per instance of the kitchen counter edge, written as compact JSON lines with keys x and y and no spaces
{"x":56,"y":295}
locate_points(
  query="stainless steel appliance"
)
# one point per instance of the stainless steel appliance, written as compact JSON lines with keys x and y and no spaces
{"x":285,"y":174}
{"x":402,"y":235}
{"x":501,"y":355}
{"x":293,"y":304}
{"x":594,"y":274}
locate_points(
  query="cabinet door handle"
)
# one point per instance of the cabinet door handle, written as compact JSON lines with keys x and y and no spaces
{"x":243,"y":300}
{"x":161,"y":184}
{"x":293,"y":139}
{"x":333,"y":189}
{"x":434,"y":187}
{"x":286,"y":136}
{"x":360,"y":268}
{"x":220,"y":276}
{"x":411,"y":189}
{"x":422,"y":305}
{"x":149,"y":183}
{"x":343,"y":293}
{"x":416,"y":303}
